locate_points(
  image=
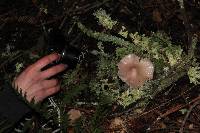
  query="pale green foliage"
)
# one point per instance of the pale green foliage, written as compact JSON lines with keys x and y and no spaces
{"x":104,"y":19}
{"x":18,"y":67}
{"x":130,"y":96}
{"x":173,"y":54}
{"x":70,"y":76}
{"x":140,"y":41}
{"x":183,"y":111}
{"x":122,"y":51}
{"x":101,"y":49}
{"x":123,"y":32}
{"x":44,"y":9}
{"x":159,"y":46}
{"x":102,"y":36}
{"x":194,"y":75}
{"x":106,"y":69}
{"x":193,"y":46}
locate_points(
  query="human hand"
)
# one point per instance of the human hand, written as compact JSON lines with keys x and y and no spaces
{"x":36,"y":83}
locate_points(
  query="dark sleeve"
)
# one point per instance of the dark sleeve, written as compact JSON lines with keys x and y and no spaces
{"x":11,"y":106}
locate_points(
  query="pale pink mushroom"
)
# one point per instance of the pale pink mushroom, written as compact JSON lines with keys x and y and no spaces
{"x":74,"y":115}
{"x":135,"y":71}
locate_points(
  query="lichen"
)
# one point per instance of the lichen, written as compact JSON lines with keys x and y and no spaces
{"x":173,"y":54}
{"x":123,"y":32}
{"x":130,"y":96}
{"x":194,"y":75}
{"x":104,"y":19}
{"x":18,"y":67}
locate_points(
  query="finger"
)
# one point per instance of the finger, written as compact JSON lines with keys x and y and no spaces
{"x":40,"y":94}
{"x":49,"y":83}
{"x":45,"y":61}
{"x":48,"y":92}
{"x":53,"y":71}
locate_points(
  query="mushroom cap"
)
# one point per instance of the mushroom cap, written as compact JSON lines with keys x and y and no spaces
{"x":135,"y":71}
{"x":74,"y":115}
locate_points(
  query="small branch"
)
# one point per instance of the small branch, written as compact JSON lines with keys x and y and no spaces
{"x":178,"y":107}
{"x":187,"y":115}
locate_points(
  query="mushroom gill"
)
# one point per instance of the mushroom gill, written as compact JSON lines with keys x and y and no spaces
{"x":135,"y":71}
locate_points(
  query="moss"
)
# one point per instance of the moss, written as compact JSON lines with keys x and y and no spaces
{"x":18,"y":67}
{"x":194,"y":75}
{"x":104,"y":19}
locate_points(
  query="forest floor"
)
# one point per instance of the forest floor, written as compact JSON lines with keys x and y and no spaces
{"x":175,"y":110}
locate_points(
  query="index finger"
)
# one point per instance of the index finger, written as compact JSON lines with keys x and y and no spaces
{"x":45,"y":61}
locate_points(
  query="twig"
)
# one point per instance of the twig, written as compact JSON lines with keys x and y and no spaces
{"x":175,"y":109}
{"x":187,"y":115}
{"x":178,"y":107}
{"x":55,"y":106}
{"x":163,"y":104}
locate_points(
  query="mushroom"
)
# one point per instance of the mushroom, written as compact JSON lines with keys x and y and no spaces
{"x":135,"y":71}
{"x":118,"y":124}
{"x":74,"y":115}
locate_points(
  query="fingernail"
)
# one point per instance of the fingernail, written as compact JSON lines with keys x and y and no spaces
{"x":58,"y":56}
